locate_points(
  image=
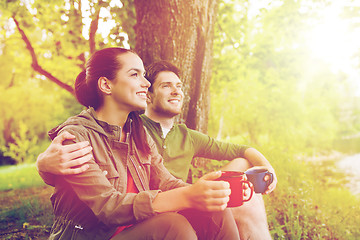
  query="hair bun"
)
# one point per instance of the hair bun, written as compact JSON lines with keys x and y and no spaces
{"x":83,"y":93}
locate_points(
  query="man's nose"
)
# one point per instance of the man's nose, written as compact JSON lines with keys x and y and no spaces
{"x":176,"y":91}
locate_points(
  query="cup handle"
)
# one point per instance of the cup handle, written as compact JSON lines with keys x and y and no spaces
{"x":271,"y":177}
{"x":251,"y":188}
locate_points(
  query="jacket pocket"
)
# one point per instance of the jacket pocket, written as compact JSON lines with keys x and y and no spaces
{"x":109,"y":172}
{"x":145,"y":163}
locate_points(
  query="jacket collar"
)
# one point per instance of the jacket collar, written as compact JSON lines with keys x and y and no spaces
{"x":88,"y":119}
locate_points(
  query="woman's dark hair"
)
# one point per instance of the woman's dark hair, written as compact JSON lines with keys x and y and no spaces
{"x":105,"y":63}
{"x":155,"y":68}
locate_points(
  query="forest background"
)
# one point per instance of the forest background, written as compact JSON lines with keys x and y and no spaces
{"x":282,"y":76}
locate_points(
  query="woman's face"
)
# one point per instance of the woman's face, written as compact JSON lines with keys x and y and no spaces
{"x":130,"y":87}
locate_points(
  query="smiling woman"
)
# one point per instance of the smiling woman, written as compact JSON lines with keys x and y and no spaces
{"x":126,"y":192}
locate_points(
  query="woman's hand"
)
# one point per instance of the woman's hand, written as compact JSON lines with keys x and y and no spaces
{"x":62,"y":159}
{"x":207,"y":194}
{"x":248,"y":190}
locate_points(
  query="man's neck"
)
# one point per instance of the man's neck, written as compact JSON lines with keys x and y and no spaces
{"x":164,"y":121}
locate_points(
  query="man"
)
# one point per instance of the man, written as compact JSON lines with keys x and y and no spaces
{"x":177,"y":144}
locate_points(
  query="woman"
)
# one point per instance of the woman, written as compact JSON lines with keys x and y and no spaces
{"x":127,"y":193}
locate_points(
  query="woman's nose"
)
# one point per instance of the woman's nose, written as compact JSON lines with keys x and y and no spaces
{"x":145,"y":82}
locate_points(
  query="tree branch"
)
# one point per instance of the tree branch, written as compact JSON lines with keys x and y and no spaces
{"x":94,"y":27}
{"x":35,"y":65}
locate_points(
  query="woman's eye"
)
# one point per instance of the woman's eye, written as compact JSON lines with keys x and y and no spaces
{"x":134,"y":74}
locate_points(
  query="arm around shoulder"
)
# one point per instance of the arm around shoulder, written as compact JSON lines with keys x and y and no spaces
{"x":60,"y":159}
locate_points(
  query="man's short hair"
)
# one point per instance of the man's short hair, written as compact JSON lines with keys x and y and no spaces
{"x":161,"y":66}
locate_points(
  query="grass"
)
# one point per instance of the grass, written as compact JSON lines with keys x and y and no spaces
{"x":25,"y":209}
{"x":310,"y":201}
{"x":30,"y":218}
{"x":20,"y":176}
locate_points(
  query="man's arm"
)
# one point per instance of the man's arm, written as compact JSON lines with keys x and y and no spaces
{"x":59,"y":159}
{"x":241,"y":156}
{"x":258,"y":160}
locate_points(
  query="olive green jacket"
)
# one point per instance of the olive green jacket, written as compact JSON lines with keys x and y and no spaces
{"x":92,"y":204}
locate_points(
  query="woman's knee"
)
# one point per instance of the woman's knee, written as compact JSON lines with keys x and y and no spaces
{"x":174,"y":226}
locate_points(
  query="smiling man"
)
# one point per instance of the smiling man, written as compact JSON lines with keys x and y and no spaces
{"x":177,"y":144}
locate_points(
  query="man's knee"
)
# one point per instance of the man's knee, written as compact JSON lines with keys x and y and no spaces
{"x":237,"y":164}
{"x":251,"y":219}
{"x":253,"y":209}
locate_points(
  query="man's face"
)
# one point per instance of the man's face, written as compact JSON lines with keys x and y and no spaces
{"x":167,"y":96}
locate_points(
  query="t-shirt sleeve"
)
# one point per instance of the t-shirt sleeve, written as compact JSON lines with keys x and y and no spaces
{"x":211,"y":148}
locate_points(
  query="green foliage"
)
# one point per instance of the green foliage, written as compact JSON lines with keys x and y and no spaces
{"x":58,"y":34}
{"x":278,"y":93}
{"x":268,"y":92}
{"x":29,"y":113}
{"x":20,"y":176}
{"x":24,"y":149}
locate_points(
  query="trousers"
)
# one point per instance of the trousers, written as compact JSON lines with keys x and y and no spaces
{"x":185,"y":225}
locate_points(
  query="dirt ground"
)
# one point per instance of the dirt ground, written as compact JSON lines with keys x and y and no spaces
{"x":17,"y":224}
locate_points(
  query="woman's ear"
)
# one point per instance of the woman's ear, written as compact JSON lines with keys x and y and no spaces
{"x":104,"y":85}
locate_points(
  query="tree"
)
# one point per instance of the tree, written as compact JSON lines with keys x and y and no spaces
{"x":183,"y":34}
{"x":165,"y":30}
{"x":45,"y":44}
{"x":70,"y":19}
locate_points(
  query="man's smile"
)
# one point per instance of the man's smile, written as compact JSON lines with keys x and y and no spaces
{"x":174,"y":100}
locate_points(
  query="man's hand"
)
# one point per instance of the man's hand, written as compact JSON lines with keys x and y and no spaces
{"x":62,"y":159}
{"x":272,"y":186}
{"x":209,"y":195}
{"x":258,"y":160}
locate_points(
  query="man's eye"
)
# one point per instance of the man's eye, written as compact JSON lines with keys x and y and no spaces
{"x":134,"y":74}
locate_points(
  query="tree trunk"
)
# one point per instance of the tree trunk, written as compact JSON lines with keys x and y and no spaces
{"x":181,"y":33}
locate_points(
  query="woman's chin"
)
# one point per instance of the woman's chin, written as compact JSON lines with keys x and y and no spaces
{"x":140,"y":107}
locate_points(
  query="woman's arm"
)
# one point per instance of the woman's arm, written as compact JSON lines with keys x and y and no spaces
{"x":205,"y":195}
{"x":95,"y":187}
